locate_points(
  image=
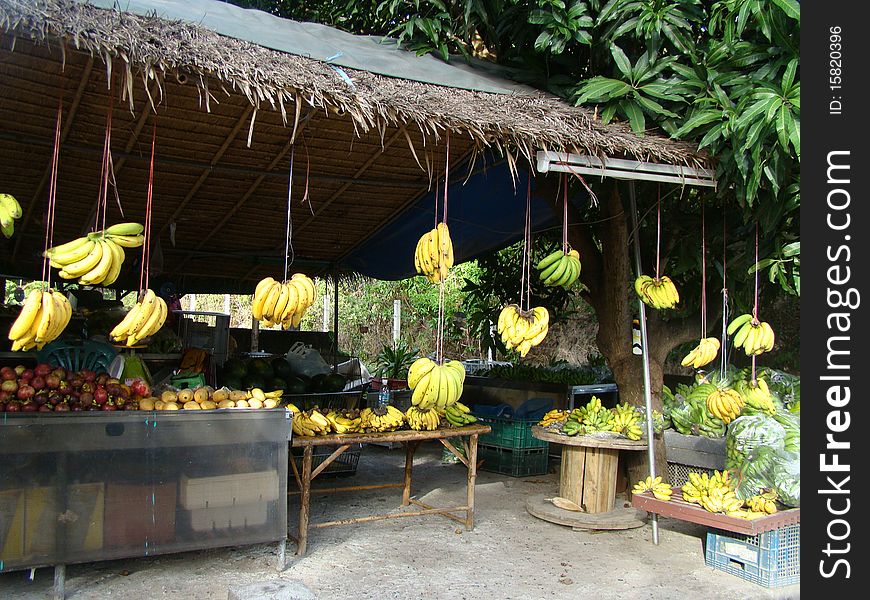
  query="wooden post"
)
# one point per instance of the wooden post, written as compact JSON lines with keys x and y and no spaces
{"x":409,"y":465}
{"x":472,"y":477}
{"x":305,"y":501}
{"x":255,"y":335}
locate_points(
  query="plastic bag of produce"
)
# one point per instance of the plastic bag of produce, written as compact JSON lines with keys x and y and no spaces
{"x":785,"y":477}
{"x":753,"y":474}
{"x":792,"y":424}
{"x":746,"y":434}
{"x":682,"y":418}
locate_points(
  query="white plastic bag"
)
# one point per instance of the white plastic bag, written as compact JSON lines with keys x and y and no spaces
{"x":305,"y":360}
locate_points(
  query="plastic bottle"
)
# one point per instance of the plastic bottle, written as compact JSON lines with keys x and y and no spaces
{"x":385,"y":394}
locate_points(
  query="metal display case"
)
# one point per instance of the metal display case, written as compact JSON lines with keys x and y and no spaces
{"x":83,"y":487}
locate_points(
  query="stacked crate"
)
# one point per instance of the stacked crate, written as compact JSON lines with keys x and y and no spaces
{"x":510,"y":448}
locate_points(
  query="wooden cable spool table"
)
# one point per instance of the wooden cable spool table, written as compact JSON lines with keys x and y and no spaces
{"x":588,"y":479}
{"x":411,"y":440}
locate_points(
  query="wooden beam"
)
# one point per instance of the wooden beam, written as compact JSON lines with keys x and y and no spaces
{"x":70,"y":118}
{"x":344,"y":187}
{"x":250,"y":192}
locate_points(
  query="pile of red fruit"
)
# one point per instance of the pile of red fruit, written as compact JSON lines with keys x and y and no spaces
{"x":46,"y":388}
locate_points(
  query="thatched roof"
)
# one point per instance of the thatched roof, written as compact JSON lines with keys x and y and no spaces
{"x":227,"y":112}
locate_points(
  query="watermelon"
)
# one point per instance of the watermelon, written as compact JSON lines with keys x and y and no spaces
{"x":281,"y":368}
{"x":333,"y":382}
{"x":235,"y":367}
{"x":260,"y":367}
{"x":253,"y":381}
{"x":295,"y":385}
{"x":277,"y":384}
{"x":316,"y":383}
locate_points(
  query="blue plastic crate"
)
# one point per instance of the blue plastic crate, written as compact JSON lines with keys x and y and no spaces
{"x":770,"y":559}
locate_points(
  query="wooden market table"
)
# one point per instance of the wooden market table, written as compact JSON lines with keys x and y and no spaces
{"x":588,"y":479}
{"x":411,"y":440}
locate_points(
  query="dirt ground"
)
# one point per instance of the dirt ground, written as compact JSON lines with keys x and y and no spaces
{"x":509,"y":555}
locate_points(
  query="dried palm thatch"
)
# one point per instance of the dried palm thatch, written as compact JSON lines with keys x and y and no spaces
{"x":232,"y":117}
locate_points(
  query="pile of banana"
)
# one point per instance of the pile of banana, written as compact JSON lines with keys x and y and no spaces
{"x":435,"y":386}
{"x":523,"y":329}
{"x":96,"y":259}
{"x":422,"y":419}
{"x":309,"y":423}
{"x":43,"y":317}
{"x":658,"y":293}
{"x":381,"y":419}
{"x":659,"y":488}
{"x":554,"y":416}
{"x":283,"y":302}
{"x":142,"y":321}
{"x":757,"y":395}
{"x":765,"y":502}
{"x":716,"y":494}
{"x":560,"y":268}
{"x":626,"y":421}
{"x":345,"y":421}
{"x":702,"y":354}
{"x":754,"y":336}
{"x":725,"y":404}
{"x":459,"y":415}
{"x":433,"y":256}
{"x":9,"y":211}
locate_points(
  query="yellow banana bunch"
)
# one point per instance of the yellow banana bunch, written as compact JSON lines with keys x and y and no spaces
{"x":381,"y":419}
{"x":96,"y":259}
{"x":754,"y":336}
{"x":658,"y":293}
{"x":435,"y":386}
{"x":554,"y":416}
{"x":757,"y":395}
{"x":42,"y":319}
{"x":560,"y":268}
{"x":720,"y":499}
{"x":725,"y":404}
{"x":659,"y":488}
{"x":142,"y":321}
{"x":626,"y":421}
{"x":522,"y":329}
{"x":310,"y":423}
{"x":283,"y":302}
{"x":422,"y":419}
{"x":714,"y":493}
{"x":762,"y":503}
{"x":702,"y":354}
{"x":433,"y":256}
{"x":344,"y":422}
{"x":10,"y":210}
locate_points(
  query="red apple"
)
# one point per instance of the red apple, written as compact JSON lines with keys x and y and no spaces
{"x":86,"y":398}
{"x":141,"y":388}
{"x":59,"y":372}
{"x":7,"y":373}
{"x":45,"y":408}
{"x":52,"y":381}
{"x":25,"y":392}
{"x":42,"y":369}
{"x":38,"y":382}
{"x":26,"y":374}
{"x":63,"y":407}
{"x":6,"y":396}
{"x":13,"y":407}
{"x":9,"y":386}
{"x":100,"y":395}
{"x":29,"y":407}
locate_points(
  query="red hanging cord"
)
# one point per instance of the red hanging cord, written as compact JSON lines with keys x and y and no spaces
{"x":565,"y":213}
{"x":439,"y":341}
{"x":755,"y":303}
{"x":528,"y":243}
{"x":52,"y":196}
{"x":145,"y":267}
{"x":658,"y":230}
{"x":100,"y":220}
{"x":703,"y":275}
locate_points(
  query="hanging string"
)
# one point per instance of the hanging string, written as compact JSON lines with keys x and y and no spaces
{"x":527,"y":265}
{"x":658,"y":230}
{"x":703,"y":275}
{"x":723,"y":345}
{"x":52,"y":196}
{"x":100,"y":221}
{"x":145,"y":270}
{"x":289,"y":229}
{"x":439,"y":343}
{"x":755,"y":303}
{"x":565,"y":212}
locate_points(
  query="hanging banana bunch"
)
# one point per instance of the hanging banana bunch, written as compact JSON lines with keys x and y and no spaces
{"x":657,"y":292}
{"x":434,"y":254}
{"x":702,"y":354}
{"x":142,"y":321}
{"x":43,"y":317}
{"x":560,"y":268}
{"x":283,"y":302}
{"x":96,"y":259}
{"x":10,"y":210}
{"x":522,"y":329}
{"x":754,"y":336}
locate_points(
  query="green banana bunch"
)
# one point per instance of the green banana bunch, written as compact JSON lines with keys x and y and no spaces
{"x":658,"y":293}
{"x":459,"y":415}
{"x":10,"y":210}
{"x":754,"y":336}
{"x":572,"y":427}
{"x":757,"y":395}
{"x":560,"y":268}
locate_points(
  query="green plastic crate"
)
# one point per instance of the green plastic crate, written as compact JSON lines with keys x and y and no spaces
{"x":510,"y":433}
{"x":516,"y":463}
{"x":770,"y":559}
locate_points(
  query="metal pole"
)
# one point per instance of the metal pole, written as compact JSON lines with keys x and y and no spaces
{"x":335,"y":322}
{"x":397,"y":321}
{"x":644,"y":344}
{"x":325,"y":312}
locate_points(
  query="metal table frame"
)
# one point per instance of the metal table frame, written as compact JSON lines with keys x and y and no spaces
{"x":411,"y":440}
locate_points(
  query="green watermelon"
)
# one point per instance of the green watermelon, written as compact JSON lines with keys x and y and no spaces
{"x":261,"y":367}
{"x":277,"y":384}
{"x":295,"y":385}
{"x":281,"y":368}
{"x":333,"y":382}
{"x":316,"y":383}
{"x":253,"y":381}
{"x":231,"y":381}
{"x":235,"y":367}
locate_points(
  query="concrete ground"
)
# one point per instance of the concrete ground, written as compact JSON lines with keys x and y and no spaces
{"x":510,"y":555}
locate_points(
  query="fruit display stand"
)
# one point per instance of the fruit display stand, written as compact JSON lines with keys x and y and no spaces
{"x":588,"y":479}
{"x":411,"y":440}
{"x":92,"y":486}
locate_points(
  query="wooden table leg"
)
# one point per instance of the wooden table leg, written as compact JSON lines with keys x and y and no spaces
{"x":305,"y":501}
{"x":410,"y":447}
{"x":472,"y":477}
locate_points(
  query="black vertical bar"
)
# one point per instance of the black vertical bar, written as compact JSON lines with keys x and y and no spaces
{"x":335,"y":322}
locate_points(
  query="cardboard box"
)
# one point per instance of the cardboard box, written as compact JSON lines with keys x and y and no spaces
{"x":137,"y":515}
{"x":228,"y":490}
